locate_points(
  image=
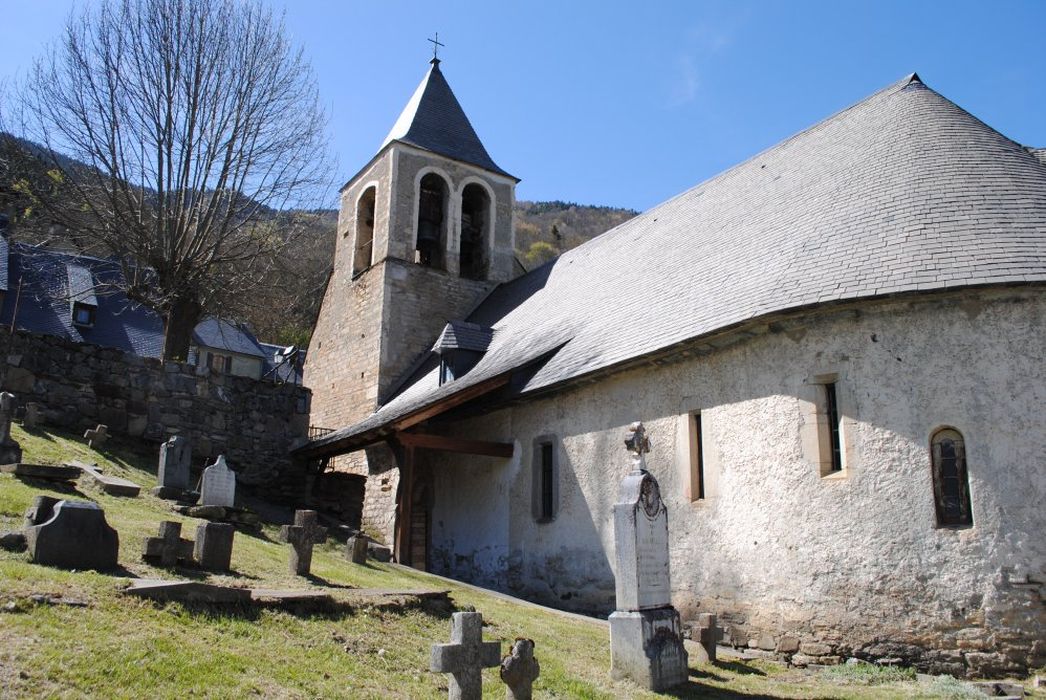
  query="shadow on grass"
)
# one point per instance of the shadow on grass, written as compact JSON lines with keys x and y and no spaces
{"x":63,"y":487}
{"x":693,"y":689}
{"x":740,"y":668}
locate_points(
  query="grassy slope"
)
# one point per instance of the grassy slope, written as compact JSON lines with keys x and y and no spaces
{"x":125,"y":647}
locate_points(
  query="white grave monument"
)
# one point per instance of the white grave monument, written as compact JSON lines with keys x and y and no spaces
{"x":219,"y":485}
{"x":646,"y":635}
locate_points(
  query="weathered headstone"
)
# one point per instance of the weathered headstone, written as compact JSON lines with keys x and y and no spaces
{"x":169,"y":548}
{"x":34,"y":415}
{"x":707,"y":635}
{"x":465,"y":657}
{"x":47,"y":472}
{"x":519,"y":670}
{"x":302,"y":535}
{"x":356,"y":549}
{"x":646,"y":635}
{"x":219,"y":485}
{"x":41,"y":511}
{"x":214,"y":546}
{"x":112,"y":485}
{"x":75,"y":537}
{"x":97,"y":437}
{"x":10,"y":450}
{"x":172,"y":474}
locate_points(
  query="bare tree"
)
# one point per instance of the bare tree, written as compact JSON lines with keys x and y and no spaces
{"x":199,"y":137}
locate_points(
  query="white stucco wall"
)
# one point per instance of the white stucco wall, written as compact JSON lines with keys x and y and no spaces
{"x":846,"y":564}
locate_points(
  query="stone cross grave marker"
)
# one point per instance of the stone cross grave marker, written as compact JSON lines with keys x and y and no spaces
{"x":219,"y":485}
{"x":707,"y":635}
{"x":465,"y":657}
{"x":646,"y":635}
{"x":97,"y":437}
{"x":301,"y":536}
{"x":10,"y":450}
{"x":214,"y":546}
{"x":519,"y":670}
{"x":172,"y":474}
{"x":169,"y":547}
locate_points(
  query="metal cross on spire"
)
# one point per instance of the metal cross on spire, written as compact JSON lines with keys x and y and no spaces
{"x":435,"y":47}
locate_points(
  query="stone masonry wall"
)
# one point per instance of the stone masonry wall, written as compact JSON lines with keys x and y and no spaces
{"x":253,"y":423}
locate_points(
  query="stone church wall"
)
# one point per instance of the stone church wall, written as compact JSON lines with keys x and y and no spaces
{"x":851,"y":564}
{"x":77,"y":386}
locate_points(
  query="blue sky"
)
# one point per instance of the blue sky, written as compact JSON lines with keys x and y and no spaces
{"x":630,"y":103}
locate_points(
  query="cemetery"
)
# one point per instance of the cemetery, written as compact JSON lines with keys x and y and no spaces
{"x":195,"y":606}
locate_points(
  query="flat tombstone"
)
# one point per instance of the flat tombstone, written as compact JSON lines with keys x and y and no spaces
{"x":465,"y":657}
{"x":75,"y":537}
{"x":302,"y":535}
{"x":214,"y":546}
{"x":175,"y":458}
{"x":219,"y":485}
{"x":10,"y":450}
{"x":519,"y":670}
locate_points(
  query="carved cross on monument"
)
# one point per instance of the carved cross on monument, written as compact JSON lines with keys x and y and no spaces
{"x":465,"y":657}
{"x":519,"y":670}
{"x":301,"y":536}
{"x":98,"y":436}
{"x":637,"y":444}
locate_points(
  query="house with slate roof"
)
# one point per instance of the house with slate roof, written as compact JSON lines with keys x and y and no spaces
{"x":78,"y":297}
{"x":837,"y":347}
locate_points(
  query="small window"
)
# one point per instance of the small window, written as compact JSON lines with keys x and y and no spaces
{"x":697,"y":459}
{"x":831,"y":404}
{"x":83,"y":314}
{"x":951,"y":484}
{"x":546,"y":481}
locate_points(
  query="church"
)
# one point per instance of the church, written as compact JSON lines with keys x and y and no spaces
{"x":838,"y":349}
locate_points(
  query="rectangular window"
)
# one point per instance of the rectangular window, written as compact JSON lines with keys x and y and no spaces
{"x":547,"y":482}
{"x":697,"y":459}
{"x":83,"y":315}
{"x":831,"y":404}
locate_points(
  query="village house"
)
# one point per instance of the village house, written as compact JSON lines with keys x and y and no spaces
{"x":837,"y":347}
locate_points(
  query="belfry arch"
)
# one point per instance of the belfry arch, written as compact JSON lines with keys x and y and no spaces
{"x":474,"y":241}
{"x":430,"y":240}
{"x":364,"y":247}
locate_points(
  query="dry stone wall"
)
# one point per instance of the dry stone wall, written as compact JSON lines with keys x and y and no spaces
{"x":76,"y":386}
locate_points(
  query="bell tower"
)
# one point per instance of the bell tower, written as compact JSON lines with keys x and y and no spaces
{"x":424,"y":233}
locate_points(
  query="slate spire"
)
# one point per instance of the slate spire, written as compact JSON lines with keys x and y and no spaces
{"x":434,"y":120}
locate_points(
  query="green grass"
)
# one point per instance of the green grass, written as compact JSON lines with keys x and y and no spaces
{"x":122,"y":647}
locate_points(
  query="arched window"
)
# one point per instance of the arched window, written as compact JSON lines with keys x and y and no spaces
{"x":432,"y":203}
{"x":951,"y":485}
{"x":475,"y":212}
{"x":361,"y":259}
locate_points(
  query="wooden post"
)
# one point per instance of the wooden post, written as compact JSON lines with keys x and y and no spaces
{"x":406,"y":503}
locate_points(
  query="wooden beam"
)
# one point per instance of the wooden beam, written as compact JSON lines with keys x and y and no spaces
{"x":452,"y":401}
{"x":405,"y":507}
{"x":458,"y":445}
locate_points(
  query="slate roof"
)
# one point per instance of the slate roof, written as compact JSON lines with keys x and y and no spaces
{"x":80,"y":283}
{"x":434,"y":120}
{"x":43,"y":301}
{"x":461,"y":335}
{"x":223,"y":335}
{"x":902,"y":192}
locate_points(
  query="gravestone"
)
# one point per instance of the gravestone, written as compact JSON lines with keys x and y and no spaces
{"x":172,"y":474}
{"x":465,"y":657}
{"x":10,"y":450}
{"x":519,"y":670}
{"x":302,"y":535}
{"x":646,"y":634}
{"x":97,"y":437}
{"x":112,"y":485}
{"x":33,"y":415}
{"x":356,"y":549}
{"x":76,"y":536}
{"x":707,"y":635}
{"x":219,"y":485}
{"x":214,"y":546}
{"x":41,"y":511}
{"x":169,"y":548}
